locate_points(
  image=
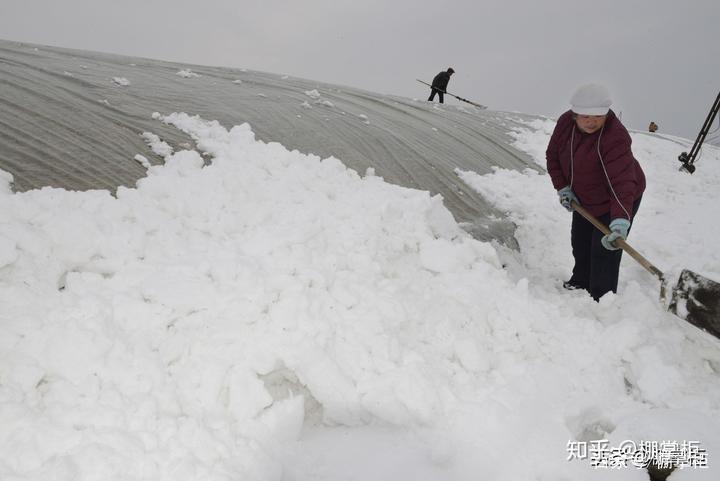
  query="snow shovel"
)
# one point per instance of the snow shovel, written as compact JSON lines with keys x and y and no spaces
{"x":483,"y":107}
{"x":695,"y":298}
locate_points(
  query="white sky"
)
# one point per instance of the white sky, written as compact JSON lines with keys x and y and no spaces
{"x":659,"y":58}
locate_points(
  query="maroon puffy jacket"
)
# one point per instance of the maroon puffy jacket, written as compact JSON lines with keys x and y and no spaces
{"x":605,"y":178}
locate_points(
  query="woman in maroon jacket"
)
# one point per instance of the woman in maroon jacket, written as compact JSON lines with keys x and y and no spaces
{"x":590,"y":161}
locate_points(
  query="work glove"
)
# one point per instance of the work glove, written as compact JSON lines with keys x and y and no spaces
{"x":566,"y":197}
{"x":619,"y":230}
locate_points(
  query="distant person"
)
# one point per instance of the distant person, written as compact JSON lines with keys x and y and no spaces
{"x":440,"y":83}
{"x":653,"y":127}
{"x":590,"y":161}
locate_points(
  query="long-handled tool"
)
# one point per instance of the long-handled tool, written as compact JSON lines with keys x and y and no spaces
{"x":453,"y":95}
{"x":695,"y":298}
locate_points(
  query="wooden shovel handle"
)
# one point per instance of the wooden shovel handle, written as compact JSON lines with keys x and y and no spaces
{"x":619,"y":242}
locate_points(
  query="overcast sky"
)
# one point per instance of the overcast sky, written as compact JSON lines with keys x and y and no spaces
{"x":659,"y":58}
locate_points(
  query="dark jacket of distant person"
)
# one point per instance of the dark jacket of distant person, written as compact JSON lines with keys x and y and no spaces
{"x":442,"y":79}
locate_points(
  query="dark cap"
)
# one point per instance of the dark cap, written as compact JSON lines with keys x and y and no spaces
{"x":451,"y":70}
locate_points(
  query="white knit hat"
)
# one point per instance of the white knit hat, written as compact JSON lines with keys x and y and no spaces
{"x":591,"y":99}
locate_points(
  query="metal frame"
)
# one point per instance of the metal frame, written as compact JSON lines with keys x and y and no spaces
{"x":688,"y":160}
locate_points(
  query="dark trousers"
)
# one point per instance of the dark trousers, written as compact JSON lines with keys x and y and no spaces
{"x":436,"y":91}
{"x":596,"y":268}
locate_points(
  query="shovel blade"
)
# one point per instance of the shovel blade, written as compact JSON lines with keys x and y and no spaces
{"x":697,"y":300}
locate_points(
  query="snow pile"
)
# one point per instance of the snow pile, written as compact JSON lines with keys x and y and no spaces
{"x":205,"y":323}
{"x":157,"y":145}
{"x":317,"y":97}
{"x":187,"y":73}
{"x":121,"y":81}
{"x":534,"y":140}
{"x":313,"y":94}
{"x":142,"y":160}
{"x":138,"y":328}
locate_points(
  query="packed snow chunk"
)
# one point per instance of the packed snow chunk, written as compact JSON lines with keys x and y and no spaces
{"x":467,"y":353}
{"x":160,"y":147}
{"x":441,"y":255}
{"x":326,"y":103}
{"x":191,"y":290}
{"x":306,"y":105}
{"x":329,"y":384}
{"x":653,"y":374}
{"x":187,"y":73}
{"x":534,"y":140}
{"x":283,"y":420}
{"x":403,"y":396}
{"x":77,"y":237}
{"x":211,"y":137}
{"x":246,"y":395}
{"x":121,"y":81}
{"x":237,"y":81}
{"x":142,"y":160}
{"x":74,"y":351}
{"x":313,"y":94}
{"x":8,"y":251}
{"x":441,"y":220}
{"x":6,"y":182}
{"x":208,"y":385}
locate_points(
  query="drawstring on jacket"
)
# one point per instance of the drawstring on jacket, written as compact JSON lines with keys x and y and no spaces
{"x":602,"y":163}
